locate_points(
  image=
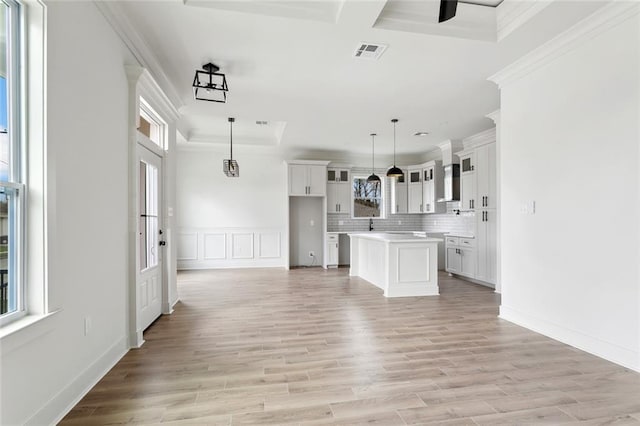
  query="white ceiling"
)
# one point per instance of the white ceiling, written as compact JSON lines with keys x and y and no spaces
{"x":291,"y":63}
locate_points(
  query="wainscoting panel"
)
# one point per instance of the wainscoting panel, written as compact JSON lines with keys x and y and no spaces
{"x":215,"y":246}
{"x":269,"y":245}
{"x":209,"y":248}
{"x":241,"y":246}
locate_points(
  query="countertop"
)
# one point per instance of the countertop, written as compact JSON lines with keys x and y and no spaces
{"x":394,"y":238}
{"x":455,"y":234}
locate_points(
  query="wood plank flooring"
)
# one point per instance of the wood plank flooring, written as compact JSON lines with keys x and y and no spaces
{"x":316,"y":347}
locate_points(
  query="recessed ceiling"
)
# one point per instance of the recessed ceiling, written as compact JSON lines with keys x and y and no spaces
{"x":296,"y":70}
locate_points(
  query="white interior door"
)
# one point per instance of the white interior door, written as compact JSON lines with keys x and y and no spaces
{"x":149,"y":253}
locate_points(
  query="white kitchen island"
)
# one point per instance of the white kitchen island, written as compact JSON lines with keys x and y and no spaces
{"x":400,"y":264}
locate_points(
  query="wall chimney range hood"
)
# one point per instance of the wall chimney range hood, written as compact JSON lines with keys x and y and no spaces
{"x":451,"y":166}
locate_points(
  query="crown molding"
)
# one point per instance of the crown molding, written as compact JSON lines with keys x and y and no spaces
{"x":600,"y":21}
{"x":512,"y":14}
{"x":213,"y":139}
{"x":482,"y":138}
{"x":149,"y":89}
{"x":118,"y":20}
{"x":495,"y":116}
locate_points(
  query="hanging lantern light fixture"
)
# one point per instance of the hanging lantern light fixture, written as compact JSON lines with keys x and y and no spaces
{"x":230,"y":166}
{"x":209,"y":84}
{"x":373,"y":178}
{"x":394,"y":171}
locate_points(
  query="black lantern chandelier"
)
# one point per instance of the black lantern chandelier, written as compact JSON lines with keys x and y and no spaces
{"x":394,"y":171}
{"x":373,"y":178}
{"x":230,"y":166}
{"x":209,"y":84}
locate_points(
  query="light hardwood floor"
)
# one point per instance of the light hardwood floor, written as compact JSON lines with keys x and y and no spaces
{"x":315,"y":347}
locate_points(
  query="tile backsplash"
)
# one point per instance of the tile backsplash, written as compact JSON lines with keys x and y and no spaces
{"x":463,"y":223}
{"x":342,"y":222}
{"x":445,"y":222}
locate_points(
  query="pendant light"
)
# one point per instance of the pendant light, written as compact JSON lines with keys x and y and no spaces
{"x":394,"y":171}
{"x":373,"y":178}
{"x":230,"y":166}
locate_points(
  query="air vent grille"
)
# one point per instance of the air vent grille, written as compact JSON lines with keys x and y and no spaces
{"x":369,"y":50}
{"x":261,"y":122}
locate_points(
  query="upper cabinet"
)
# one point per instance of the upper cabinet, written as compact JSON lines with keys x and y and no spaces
{"x":399,"y":194}
{"x":433,"y":187}
{"x":425,"y":187}
{"x":338,"y":175}
{"x":486,"y":176}
{"x":478,"y":180}
{"x":338,"y":190}
{"x":307,"y":178}
{"x":414,"y":191}
{"x":467,"y":180}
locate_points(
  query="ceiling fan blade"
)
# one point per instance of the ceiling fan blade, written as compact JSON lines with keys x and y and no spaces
{"x":447,"y":10}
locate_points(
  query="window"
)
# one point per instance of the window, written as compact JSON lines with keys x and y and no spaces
{"x":12,"y":188}
{"x":149,"y":227}
{"x":367,"y":198}
{"x":151,"y":125}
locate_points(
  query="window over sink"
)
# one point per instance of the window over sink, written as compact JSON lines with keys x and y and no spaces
{"x":368,"y":198}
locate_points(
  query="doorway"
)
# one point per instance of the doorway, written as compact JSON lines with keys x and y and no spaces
{"x":150,"y":237}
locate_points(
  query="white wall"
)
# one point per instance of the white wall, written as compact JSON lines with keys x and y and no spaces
{"x":214,"y":212}
{"x":570,"y":142}
{"x":48,"y":365}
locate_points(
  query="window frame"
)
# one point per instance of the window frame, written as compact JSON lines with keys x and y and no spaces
{"x":158,"y":125}
{"x":382,"y":198}
{"x":17,"y":176}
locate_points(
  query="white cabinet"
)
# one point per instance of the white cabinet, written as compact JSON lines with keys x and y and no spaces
{"x":461,"y":256}
{"x":478,"y":178}
{"x":332,"y":250}
{"x":453,"y":260}
{"x":467,"y":191}
{"x":307,"y":179}
{"x":414,"y":191}
{"x":467,"y":180}
{"x":427,"y":190}
{"x":338,"y":191}
{"x":400,"y":195}
{"x":338,"y":198}
{"x":478,"y":194}
{"x":432,"y":187}
{"x":485,"y":157}
{"x":487,"y":245}
{"x":425,"y":187}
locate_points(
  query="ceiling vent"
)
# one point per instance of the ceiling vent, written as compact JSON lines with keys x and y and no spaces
{"x":369,"y":50}
{"x":261,"y":122}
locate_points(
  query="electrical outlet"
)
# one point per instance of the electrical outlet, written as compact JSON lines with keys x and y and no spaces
{"x":312,"y":254}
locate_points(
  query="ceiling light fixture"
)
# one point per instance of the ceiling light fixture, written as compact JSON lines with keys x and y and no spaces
{"x":373,"y":178}
{"x":421,"y":134}
{"x":394,"y":171}
{"x":230,"y":166}
{"x":209,"y":84}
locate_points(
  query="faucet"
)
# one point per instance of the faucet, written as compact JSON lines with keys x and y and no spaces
{"x":371,"y":224}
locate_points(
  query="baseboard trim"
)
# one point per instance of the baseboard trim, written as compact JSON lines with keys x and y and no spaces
{"x":472,"y":280}
{"x":625,"y":357}
{"x":231,"y":266}
{"x":58,"y":406}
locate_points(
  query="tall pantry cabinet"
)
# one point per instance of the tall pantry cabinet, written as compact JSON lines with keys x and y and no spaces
{"x":485,"y":158}
{"x":478,"y":194}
